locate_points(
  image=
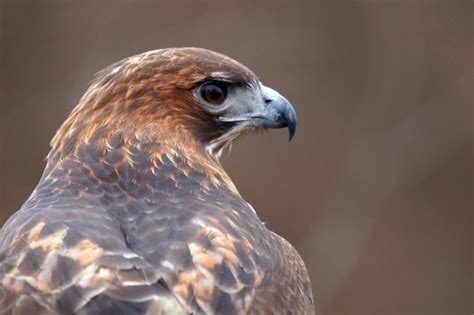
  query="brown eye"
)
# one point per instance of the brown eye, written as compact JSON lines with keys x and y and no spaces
{"x":214,"y":93}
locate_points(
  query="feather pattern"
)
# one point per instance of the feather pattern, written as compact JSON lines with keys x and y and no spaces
{"x":133,"y":216}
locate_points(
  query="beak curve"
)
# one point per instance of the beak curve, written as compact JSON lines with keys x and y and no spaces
{"x":278,"y":113}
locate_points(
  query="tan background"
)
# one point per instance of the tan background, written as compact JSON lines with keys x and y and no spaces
{"x":375,"y":191}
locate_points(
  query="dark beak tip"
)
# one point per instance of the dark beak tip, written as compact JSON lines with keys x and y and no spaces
{"x":291,"y":122}
{"x":291,"y":133}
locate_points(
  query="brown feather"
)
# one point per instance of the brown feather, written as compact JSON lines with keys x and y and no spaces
{"x":132,"y":215}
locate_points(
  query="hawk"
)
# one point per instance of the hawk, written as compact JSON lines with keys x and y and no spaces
{"x":134,"y":214}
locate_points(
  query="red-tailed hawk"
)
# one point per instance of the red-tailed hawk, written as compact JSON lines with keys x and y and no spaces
{"x":134,"y":213}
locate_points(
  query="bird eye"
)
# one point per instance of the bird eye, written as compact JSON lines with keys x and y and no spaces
{"x":214,"y":93}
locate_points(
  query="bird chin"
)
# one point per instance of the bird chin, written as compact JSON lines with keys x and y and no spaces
{"x":221,"y":146}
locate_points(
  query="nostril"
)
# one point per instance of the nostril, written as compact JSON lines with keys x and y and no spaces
{"x":268,"y":101}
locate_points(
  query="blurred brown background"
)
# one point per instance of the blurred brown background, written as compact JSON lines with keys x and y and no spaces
{"x":376,"y":190}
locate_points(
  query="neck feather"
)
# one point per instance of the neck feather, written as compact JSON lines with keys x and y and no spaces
{"x":131,"y":161}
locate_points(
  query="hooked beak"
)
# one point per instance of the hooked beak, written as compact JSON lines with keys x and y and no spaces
{"x":277,"y":113}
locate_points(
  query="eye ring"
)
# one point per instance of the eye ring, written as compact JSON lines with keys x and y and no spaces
{"x":214,"y":92}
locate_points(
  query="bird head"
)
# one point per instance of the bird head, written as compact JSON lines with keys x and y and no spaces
{"x":186,"y":97}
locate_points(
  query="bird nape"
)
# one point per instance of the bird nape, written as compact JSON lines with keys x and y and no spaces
{"x":134,"y":213}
